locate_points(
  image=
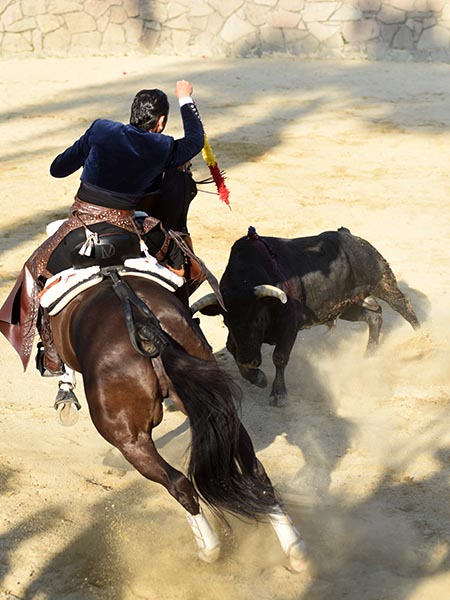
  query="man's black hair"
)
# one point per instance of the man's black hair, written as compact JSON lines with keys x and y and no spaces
{"x":147,"y":107}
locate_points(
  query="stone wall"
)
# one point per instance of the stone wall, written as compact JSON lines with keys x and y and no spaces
{"x":374,"y":29}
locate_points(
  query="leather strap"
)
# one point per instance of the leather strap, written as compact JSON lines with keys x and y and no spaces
{"x":178,"y":239}
{"x":151,"y":327}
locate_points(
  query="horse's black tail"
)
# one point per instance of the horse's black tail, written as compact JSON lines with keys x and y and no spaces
{"x":223,"y":466}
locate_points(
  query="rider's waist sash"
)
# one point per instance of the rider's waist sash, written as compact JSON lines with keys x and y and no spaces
{"x":107,"y":198}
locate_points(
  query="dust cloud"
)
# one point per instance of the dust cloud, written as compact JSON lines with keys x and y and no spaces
{"x":361,"y":453}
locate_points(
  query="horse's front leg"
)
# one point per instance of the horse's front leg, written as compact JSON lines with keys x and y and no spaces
{"x":142,"y":454}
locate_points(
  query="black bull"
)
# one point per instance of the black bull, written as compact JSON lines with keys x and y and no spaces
{"x":274,"y":287}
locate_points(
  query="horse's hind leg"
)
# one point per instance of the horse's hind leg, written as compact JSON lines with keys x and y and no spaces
{"x":288,"y":536}
{"x":142,"y":454}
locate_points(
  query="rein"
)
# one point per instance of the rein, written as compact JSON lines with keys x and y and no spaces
{"x":252,"y":235}
{"x":178,"y":239}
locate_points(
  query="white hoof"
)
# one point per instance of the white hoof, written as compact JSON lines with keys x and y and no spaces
{"x":297,"y":557}
{"x":209,"y":555}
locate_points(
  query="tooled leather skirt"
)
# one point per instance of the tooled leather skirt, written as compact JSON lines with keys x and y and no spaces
{"x":84,"y":214}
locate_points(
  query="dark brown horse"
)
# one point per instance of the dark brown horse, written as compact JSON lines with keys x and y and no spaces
{"x":125,"y":389}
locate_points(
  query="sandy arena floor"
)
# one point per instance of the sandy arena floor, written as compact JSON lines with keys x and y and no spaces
{"x":361,"y":453}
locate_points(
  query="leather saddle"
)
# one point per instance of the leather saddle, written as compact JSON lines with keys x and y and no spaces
{"x":107,"y":250}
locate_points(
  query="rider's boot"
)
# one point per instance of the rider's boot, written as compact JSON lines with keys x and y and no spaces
{"x":48,"y":361}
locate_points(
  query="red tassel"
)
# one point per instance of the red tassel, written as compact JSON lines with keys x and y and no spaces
{"x":222,"y":189}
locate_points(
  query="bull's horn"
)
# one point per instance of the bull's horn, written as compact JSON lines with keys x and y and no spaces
{"x":263,"y":291}
{"x":203,"y":302}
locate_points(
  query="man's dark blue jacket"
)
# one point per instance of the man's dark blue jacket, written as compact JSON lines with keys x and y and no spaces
{"x":126,"y":160}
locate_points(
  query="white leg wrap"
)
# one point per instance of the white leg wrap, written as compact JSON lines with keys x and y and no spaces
{"x":207,"y":541}
{"x":290,"y":539}
{"x":68,"y":376}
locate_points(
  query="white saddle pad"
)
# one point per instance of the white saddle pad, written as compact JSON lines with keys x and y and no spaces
{"x":60,"y":289}
{"x":150,"y":268}
{"x":63,"y":287}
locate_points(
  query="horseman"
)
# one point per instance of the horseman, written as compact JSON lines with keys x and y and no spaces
{"x":122,"y":164}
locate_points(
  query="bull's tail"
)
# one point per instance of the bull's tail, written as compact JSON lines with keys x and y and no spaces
{"x":386,"y":287}
{"x":222,"y":465}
